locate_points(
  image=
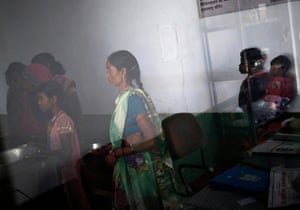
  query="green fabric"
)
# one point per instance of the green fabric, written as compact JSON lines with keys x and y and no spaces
{"x":141,"y":180}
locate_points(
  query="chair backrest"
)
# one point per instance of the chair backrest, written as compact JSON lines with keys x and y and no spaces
{"x":183,"y":134}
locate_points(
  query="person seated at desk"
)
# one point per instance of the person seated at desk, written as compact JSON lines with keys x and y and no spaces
{"x":280,"y":90}
{"x":281,"y":82}
{"x":253,"y":87}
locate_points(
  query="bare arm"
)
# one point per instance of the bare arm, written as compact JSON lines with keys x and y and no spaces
{"x":139,"y":142}
{"x":66,"y":151}
{"x":148,"y":132}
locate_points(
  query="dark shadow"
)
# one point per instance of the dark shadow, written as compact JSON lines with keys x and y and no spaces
{"x":6,"y":188}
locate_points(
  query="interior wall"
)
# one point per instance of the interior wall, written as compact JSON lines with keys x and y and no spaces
{"x":164,"y":36}
{"x":187,"y":63}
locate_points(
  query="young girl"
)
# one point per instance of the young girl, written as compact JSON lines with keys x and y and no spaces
{"x":63,"y":142}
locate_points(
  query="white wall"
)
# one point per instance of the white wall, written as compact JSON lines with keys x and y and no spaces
{"x":185,"y":65}
{"x":81,"y":34}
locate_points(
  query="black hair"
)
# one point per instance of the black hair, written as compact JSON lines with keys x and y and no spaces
{"x":284,"y":60}
{"x":125,"y":59}
{"x":43,"y":58}
{"x":252,"y":55}
{"x":51,"y":89}
{"x":57,"y":68}
{"x":14,"y":69}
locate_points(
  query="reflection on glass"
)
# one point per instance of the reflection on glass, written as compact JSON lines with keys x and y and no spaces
{"x":265,"y":95}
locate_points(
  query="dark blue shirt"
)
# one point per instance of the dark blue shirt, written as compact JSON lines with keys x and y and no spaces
{"x":135,"y":107}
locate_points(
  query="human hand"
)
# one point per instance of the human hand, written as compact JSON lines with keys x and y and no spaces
{"x":127,"y":150}
{"x":111,"y":159}
{"x":107,"y":147}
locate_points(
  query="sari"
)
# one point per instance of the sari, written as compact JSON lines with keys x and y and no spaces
{"x":71,"y":103}
{"x":141,"y":180}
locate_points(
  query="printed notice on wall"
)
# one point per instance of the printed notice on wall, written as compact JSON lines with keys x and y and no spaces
{"x":168,"y":41}
{"x":217,"y":7}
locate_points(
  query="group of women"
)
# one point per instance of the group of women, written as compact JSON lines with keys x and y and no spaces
{"x":42,"y":104}
{"x":141,"y":178}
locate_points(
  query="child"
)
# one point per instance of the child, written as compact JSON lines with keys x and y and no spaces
{"x":280,"y":82}
{"x":63,"y":142}
{"x":280,"y":88}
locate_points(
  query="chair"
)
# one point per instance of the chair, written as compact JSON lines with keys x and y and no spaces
{"x":185,"y":140}
{"x":97,"y":179}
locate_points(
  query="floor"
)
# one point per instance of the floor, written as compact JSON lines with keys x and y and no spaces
{"x":207,"y":199}
{"x":55,"y":199}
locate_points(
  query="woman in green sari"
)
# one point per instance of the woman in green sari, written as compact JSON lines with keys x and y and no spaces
{"x":141,"y":161}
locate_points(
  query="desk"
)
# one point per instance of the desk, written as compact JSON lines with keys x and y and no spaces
{"x":224,"y":200}
{"x":267,"y":161}
{"x":217,"y":199}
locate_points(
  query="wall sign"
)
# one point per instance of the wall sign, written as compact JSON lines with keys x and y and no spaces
{"x":208,"y":8}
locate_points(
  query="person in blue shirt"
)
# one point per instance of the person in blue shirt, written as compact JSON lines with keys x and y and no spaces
{"x":138,"y":154}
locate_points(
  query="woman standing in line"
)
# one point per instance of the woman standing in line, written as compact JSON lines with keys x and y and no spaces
{"x":64,"y":144}
{"x":139,"y":154}
{"x":71,"y":104}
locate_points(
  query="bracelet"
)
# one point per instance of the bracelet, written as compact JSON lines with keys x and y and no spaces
{"x":133,"y":149}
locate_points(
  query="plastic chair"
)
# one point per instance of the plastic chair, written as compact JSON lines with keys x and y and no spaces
{"x":185,"y":140}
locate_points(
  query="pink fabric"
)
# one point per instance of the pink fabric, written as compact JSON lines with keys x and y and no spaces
{"x":40,"y":72}
{"x":68,"y":84}
{"x":63,"y":124}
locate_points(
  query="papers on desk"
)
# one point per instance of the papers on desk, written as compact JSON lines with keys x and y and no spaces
{"x":287,"y":136}
{"x":284,"y":188}
{"x":277,"y":147}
